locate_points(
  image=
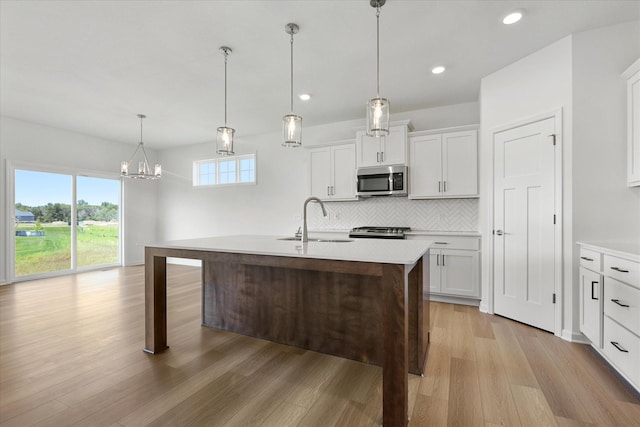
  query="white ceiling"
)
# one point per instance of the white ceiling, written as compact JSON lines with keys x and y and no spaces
{"x":91,"y":66}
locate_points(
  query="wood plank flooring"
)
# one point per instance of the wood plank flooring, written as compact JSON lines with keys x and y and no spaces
{"x":71,"y":355}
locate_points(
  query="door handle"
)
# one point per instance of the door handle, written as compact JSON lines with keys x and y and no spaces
{"x":592,"y":290}
{"x":500,"y":232}
{"x":439,"y":186}
{"x":382,"y":157}
{"x":586,"y":259}
{"x":437,"y":259}
{"x":444,"y":186}
{"x":328,"y":191}
{"x":443,"y":260}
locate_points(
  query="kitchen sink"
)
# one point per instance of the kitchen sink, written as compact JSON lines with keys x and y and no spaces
{"x":318,"y":240}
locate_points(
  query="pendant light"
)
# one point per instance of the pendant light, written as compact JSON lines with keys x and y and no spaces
{"x":224,"y":139}
{"x":144,"y":171}
{"x":378,"y":108}
{"x":292,"y":123}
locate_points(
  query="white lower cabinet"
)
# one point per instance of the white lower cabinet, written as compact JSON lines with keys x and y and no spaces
{"x":591,"y":305}
{"x":610,"y":305}
{"x":454,"y":268}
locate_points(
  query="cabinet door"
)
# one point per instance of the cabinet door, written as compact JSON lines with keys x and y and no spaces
{"x":367,"y":150}
{"x":591,"y":306}
{"x":425,"y":166}
{"x":394,"y":147}
{"x":434,"y":271}
{"x":320,"y":176}
{"x":460,"y":271}
{"x":344,"y":172}
{"x":460,"y":164}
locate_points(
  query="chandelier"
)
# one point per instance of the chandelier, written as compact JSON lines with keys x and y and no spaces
{"x":144,"y":171}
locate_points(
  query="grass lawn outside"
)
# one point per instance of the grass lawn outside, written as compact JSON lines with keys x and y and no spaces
{"x":97,"y":245}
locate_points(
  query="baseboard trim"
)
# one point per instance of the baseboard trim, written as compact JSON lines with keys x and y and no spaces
{"x":576,"y":337}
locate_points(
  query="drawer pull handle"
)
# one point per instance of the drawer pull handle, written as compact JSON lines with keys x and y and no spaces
{"x":619,"y":347}
{"x":617,"y":301}
{"x":619,"y":269}
{"x":586,"y":259}
{"x":441,"y":243}
{"x":593,"y":290}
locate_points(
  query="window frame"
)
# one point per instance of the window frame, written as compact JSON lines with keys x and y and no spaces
{"x":217,"y":161}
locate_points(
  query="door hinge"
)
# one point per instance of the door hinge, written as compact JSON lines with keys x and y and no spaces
{"x":553,"y":137}
{"x":554,"y":298}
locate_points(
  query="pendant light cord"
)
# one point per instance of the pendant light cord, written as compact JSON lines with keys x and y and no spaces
{"x":225,"y":87}
{"x":378,"y":50}
{"x":292,"y":71}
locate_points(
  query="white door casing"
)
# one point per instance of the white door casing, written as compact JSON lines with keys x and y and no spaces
{"x":525,"y":240}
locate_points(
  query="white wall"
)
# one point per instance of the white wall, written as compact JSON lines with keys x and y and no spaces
{"x":42,"y":145}
{"x":599,"y":154}
{"x":539,"y":83}
{"x":581,"y":74}
{"x":274,"y":205}
{"x":604,"y":208}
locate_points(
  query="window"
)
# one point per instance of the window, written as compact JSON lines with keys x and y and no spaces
{"x":225,"y":171}
{"x":57,"y":233}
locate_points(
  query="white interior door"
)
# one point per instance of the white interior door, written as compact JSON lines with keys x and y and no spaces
{"x":524,"y":223}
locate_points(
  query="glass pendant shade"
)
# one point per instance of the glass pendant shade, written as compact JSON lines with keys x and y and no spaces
{"x":292,"y":130}
{"x":224,"y":141}
{"x":378,"y":117}
{"x":143,"y":171}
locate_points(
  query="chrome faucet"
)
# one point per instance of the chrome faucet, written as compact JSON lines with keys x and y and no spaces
{"x":305,"y":235}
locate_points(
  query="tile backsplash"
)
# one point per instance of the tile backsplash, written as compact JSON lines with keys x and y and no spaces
{"x":440,"y":214}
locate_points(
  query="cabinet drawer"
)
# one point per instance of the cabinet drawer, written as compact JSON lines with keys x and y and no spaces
{"x":590,"y":259}
{"x":622,"y":269}
{"x":446,"y":242}
{"x":622,"y":303}
{"x":623,"y":349}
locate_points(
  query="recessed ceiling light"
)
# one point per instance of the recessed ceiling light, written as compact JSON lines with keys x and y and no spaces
{"x":512,"y":18}
{"x":438,"y":70}
{"x":305,"y":96}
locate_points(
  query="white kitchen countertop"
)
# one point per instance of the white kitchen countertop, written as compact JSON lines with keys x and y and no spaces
{"x":443,"y":233}
{"x":410,"y":233}
{"x":629,"y":250}
{"x":385,"y":251}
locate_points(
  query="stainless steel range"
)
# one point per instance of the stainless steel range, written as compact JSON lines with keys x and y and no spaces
{"x":379,"y":232}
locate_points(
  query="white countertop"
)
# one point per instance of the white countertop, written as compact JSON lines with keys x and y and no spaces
{"x":410,"y":233}
{"x":385,"y":251}
{"x":626,"y":249}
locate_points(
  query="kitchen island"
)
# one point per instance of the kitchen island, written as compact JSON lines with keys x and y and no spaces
{"x":360,"y":299}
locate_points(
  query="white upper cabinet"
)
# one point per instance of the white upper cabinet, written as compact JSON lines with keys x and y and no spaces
{"x":443,"y":165}
{"x":385,"y":150}
{"x":333,"y":172}
{"x":633,"y":124}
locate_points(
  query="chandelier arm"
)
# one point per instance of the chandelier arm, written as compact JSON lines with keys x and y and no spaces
{"x":134,"y":153}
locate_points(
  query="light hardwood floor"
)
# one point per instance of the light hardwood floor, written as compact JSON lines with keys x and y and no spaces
{"x":71,"y":354}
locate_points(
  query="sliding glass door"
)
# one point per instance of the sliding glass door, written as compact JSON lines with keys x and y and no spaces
{"x":42,"y":222}
{"x":64,"y":222}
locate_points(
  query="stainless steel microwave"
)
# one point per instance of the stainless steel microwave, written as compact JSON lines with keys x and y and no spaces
{"x":382,"y":181}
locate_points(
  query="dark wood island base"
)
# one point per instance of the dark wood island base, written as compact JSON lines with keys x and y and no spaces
{"x":370,"y":312}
